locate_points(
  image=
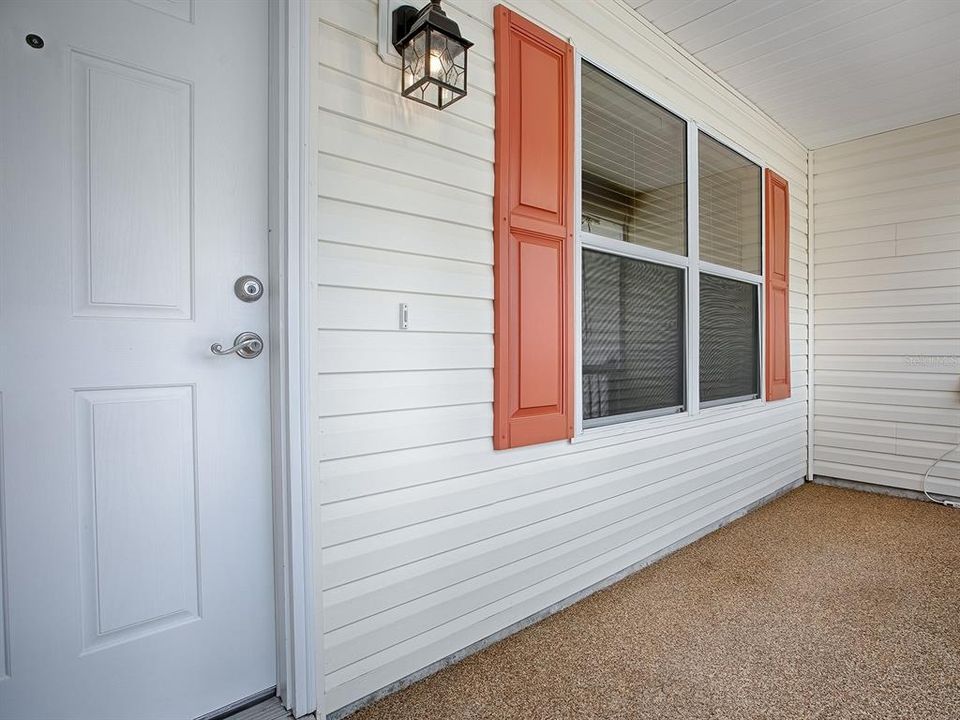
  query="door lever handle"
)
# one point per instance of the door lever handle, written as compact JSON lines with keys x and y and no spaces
{"x":247,"y":345}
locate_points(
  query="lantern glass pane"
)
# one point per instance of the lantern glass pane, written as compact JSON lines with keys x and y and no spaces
{"x":415,"y":60}
{"x":428,"y":93}
{"x":448,"y":61}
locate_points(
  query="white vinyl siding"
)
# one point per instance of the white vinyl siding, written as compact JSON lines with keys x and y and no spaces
{"x":887,"y":299}
{"x":431,"y":540}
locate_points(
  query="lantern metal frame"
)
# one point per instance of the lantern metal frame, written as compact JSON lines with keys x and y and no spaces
{"x":408,"y":23}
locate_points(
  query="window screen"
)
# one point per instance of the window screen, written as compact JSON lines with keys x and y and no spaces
{"x":633,"y":336}
{"x":633,"y":164}
{"x":729,"y":207}
{"x":729,"y":339}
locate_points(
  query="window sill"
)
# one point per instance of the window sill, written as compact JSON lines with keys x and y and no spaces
{"x":751,"y":402}
{"x":666,"y":422}
{"x":632,"y":426}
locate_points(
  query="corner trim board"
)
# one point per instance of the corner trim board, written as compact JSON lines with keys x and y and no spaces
{"x":811,"y":349}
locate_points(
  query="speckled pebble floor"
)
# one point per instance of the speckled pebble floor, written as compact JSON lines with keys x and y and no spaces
{"x":826,"y":603}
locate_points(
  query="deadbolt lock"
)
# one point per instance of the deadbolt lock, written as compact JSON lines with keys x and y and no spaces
{"x":248,"y":288}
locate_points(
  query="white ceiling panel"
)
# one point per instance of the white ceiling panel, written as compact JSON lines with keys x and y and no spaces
{"x":826,"y":70}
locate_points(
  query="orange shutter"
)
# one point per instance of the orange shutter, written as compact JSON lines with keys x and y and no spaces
{"x":777,"y":284}
{"x":533,"y":234}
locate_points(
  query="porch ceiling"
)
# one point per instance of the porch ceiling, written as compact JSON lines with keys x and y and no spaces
{"x":826,"y":70}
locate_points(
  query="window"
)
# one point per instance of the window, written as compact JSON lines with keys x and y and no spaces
{"x":633,"y":332}
{"x":729,"y":340}
{"x":634,"y":163}
{"x":730,"y":242}
{"x":634,"y":239}
{"x":640,"y":274}
{"x":729,"y":207}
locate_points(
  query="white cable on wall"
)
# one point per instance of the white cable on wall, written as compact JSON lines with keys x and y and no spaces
{"x":923,"y":482}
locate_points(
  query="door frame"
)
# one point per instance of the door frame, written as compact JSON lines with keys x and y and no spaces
{"x":292,"y":215}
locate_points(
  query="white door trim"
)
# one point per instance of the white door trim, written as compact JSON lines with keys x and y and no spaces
{"x":292,"y":177}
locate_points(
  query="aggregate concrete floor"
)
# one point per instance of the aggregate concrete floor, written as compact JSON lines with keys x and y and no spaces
{"x":826,"y":603}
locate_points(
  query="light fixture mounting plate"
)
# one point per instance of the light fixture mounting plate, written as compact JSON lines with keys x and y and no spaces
{"x":402,"y":20}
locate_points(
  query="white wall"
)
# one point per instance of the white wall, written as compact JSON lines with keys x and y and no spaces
{"x":887,"y":306}
{"x":431,"y":540}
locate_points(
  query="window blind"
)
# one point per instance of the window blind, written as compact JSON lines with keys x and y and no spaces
{"x":729,"y":207}
{"x":634,"y":166}
{"x":729,"y":339}
{"x":633,"y":336}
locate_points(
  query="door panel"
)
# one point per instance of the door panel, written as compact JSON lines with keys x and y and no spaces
{"x":138,"y":481}
{"x":132,"y":204}
{"x":136,"y":465}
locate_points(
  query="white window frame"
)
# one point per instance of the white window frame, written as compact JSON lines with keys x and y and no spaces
{"x":691,"y":264}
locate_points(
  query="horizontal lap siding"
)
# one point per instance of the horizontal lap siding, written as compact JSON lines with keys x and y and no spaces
{"x":887,"y":307}
{"x":431,"y":541}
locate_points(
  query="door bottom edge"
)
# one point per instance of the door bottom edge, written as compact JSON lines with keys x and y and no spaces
{"x":240,"y":705}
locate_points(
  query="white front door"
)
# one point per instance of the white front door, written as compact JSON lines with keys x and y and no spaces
{"x":137,"y":533}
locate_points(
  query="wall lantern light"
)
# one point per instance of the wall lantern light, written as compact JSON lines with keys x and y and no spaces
{"x":434,"y":55}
